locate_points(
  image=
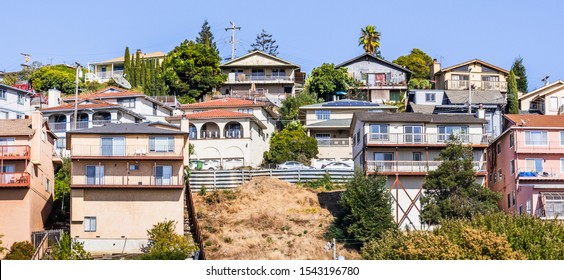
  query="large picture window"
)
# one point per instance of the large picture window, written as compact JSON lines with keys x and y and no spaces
{"x":379,"y":132}
{"x":161,"y":144}
{"x":536,"y":138}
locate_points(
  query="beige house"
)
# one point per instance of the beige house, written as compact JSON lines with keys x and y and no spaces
{"x":103,"y":71}
{"x":476,"y":73}
{"x":547,"y":100}
{"x":125,"y":179}
{"x":26,"y":177}
{"x":258,"y":74}
{"x":229,"y":132}
{"x":330,"y":123}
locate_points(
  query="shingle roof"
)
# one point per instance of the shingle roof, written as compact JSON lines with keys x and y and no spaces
{"x":478,"y":96}
{"x":16,"y":127}
{"x":130,"y":128}
{"x":222,"y":103}
{"x":417,"y":118}
{"x":214,"y":114}
{"x":537,"y":120}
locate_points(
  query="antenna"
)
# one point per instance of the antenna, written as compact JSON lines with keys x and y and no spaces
{"x":545,"y":80}
{"x":121,"y":81}
{"x":233,"y":27}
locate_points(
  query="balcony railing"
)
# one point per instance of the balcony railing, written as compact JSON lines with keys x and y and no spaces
{"x":125,"y":151}
{"x":414,"y":166}
{"x":420,"y":138}
{"x":127,"y":180}
{"x":260,"y":78}
{"x":64,"y":126}
{"x":209,"y":134}
{"x":333,"y":142}
{"x":14,"y":152}
{"x":477,"y":85}
{"x":545,"y":173}
{"x":540,"y":146}
{"x":14,"y":179}
{"x":386,"y":83}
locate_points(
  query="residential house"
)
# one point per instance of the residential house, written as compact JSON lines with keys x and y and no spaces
{"x":526,"y":165}
{"x":125,"y":178}
{"x":330,"y":124}
{"x":404,"y":147}
{"x":547,"y":100}
{"x":26,"y":177}
{"x":381,"y":80}
{"x":455,"y":102}
{"x":474,"y":74}
{"x":258,"y":74}
{"x":15,"y":103}
{"x":103,"y":71}
{"x":229,"y":132}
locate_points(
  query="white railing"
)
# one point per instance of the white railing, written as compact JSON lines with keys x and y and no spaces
{"x":126,"y":150}
{"x":424,"y":138}
{"x":540,"y":146}
{"x":333,"y":142}
{"x":545,"y":173}
{"x":127,"y":180}
{"x":476,"y":85}
{"x":414,"y":166}
{"x":260,"y":78}
{"x":209,"y":134}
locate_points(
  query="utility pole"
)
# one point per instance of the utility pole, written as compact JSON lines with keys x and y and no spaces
{"x":233,"y":27}
{"x":76,"y":94}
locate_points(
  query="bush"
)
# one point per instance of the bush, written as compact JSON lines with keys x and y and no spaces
{"x":70,"y":249}
{"x":20,"y":251}
{"x":323,"y":183}
{"x":165,"y":244}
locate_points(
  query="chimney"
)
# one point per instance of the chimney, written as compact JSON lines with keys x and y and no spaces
{"x":481,"y":113}
{"x":35,"y":142}
{"x":435,"y":67}
{"x":54,"y":98}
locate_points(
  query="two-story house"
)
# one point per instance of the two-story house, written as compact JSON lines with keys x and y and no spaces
{"x":330,"y":124}
{"x":474,"y":74}
{"x":547,"y":100}
{"x":103,"y":71}
{"x":26,"y":177}
{"x":258,"y":74}
{"x":404,"y":147}
{"x":15,"y":103}
{"x":382,"y":81}
{"x":229,"y":132}
{"x":125,"y":178}
{"x":526,"y":165}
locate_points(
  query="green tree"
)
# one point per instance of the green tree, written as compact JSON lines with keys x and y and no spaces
{"x":205,"y":36}
{"x":192,"y":70}
{"x":417,"y":83}
{"x":127,"y":63}
{"x":20,"y":251}
{"x":451,"y":190}
{"x":367,"y":209}
{"x":62,"y":185}
{"x":60,"y":77}
{"x":290,"y":106}
{"x":69,"y":249}
{"x":519,"y":70}
{"x":2,"y":248}
{"x":165,"y":244}
{"x":291,"y":143}
{"x":325,"y":80}
{"x":418,"y":62}
{"x":265,"y":43}
{"x":137,"y":71}
{"x":512,"y":98}
{"x":369,"y":39}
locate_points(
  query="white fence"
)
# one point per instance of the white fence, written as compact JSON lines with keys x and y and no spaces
{"x":227,"y":179}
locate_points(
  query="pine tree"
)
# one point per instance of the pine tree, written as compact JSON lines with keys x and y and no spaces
{"x":127,"y":63}
{"x":519,"y":70}
{"x":205,"y":36}
{"x":512,"y":98}
{"x":265,"y":43}
{"x":137,"y":68}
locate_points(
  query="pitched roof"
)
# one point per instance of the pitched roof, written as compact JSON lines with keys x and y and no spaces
{"x":534,"y":120}
{"x":234,"y":61}
{"x":14,"y":89}
{"x":92,"y":104}
{"x":478,"y":96}
{"x":348,"y":104}
{"x":425,"y":109}
{"x":544,"y":90}
{"x":224,"y":103}
{"x":214,"y":114}
{"x":417,"y":118}
{"x":473,"y":61}
{"x":143,"y":55}
{"x":131,"y":128}
{"x":105,"y":93}
{"x":393,"y":65}
{"x":12,"y":127}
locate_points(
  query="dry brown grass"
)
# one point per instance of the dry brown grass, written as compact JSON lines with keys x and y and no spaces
{"x":265,"y":219}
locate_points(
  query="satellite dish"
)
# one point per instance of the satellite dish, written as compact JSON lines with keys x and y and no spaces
{"x":122,"y":82}
{"x":273,"y":99}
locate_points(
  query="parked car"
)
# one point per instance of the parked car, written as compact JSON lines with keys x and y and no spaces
{"x":202,"y":165}
{"x":293,"y":165}
{"x":338,"y":165}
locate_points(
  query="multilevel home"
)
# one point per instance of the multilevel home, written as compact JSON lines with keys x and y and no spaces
{"x":474,"y":74}
{"x":547,"y":100}
{"x":125,"y":178}
{"x":258,"y":74}
{"x":526,"y":165}
{"x":229,"y":132}
{"x":103,"y":71}
{"x":404,"y":147}
{"x":330,"y":124}
{"x":14,"y":103}
{"x":26,"y":177}
{"x":381,"y":80}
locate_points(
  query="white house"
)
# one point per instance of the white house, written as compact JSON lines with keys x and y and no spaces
{"x":14,"y":103}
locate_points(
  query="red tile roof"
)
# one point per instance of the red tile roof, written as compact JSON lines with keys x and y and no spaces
{"x":224,"y":102}
{"x":533,"y":120}
{"x":214,"y":114}
{"x":70,"y":106}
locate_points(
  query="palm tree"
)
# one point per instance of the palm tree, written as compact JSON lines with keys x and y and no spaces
{"x":369,"y":39}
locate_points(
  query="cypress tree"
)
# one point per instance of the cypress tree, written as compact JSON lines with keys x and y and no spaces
{"x":138,"y":70}
{"x":512,"y":98}
{"x":127,"y":63}
{"x":519,"y":70}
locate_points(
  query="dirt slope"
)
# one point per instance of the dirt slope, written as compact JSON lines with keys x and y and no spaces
{"x":266,"y":219}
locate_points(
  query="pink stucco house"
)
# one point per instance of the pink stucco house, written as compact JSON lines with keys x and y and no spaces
{"x":526,"y":165}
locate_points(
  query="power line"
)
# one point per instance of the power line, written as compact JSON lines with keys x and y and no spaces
{"x":233,"y":28}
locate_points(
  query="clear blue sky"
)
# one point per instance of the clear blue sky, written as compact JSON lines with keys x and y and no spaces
{"x":308,"y":33}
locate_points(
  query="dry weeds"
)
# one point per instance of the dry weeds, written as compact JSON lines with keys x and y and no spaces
{"x":266,"y":219}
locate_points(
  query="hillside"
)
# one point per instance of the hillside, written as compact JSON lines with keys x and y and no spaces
{"x":267,"y":219}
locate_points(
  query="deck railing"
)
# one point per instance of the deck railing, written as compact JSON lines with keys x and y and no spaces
{"x":126,"y":150}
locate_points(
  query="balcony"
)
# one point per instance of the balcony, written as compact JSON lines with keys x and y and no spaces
{"x":79,"y":181}
{"x":546,"y":174}
{"x":14,"y":179}
{"x":386,"y":84}
{"x":418,"y":167}
{"x":103,"y":76}
{"x":14,"y":152}
{"x":64,"y":126}
{"x":127,"y":151}
{"x":333,"y":142}
{"x":242,"y":78}
{"x":477,"y":85}
{"x":414,"y":139}
{"x":540,"y":147}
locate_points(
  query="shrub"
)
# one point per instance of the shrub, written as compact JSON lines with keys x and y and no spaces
{"x":70,"y":249}
{"x":165,"y":244}
{"x":20,"y":251}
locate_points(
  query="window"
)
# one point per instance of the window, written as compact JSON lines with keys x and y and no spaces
{"x":489,"y":121}
{"x":161,"y":144}
{"x":384,"y":161}
{"x":511,"y":140}
{"x":90,"y":224}
{"x":413,"y":134}
{"x":134,"y":167}
{"x":533,"y":106}
{"x":512,"y":167}
{"x":95,"y":174}
{"x":257,"y":74}
{"x":498,"y":148}
{"x":529,"y":207}
{"x":494,"y":177}
{"x":278,"y":73}
{"x":127,"y":102}
{"x":7,"y":141}
{"x":113,"y":146}
{"x":322,"y":114}
{"x":358,"y":136}
{"x":7,"y":168}
{"x":3,"y":94}
{"x":163,"y":175}
{"x":155,"y":106}
{"x":61,"y":143}
{"x":499,"y":175}
{"x":245,"y":110}
{"x":513,"y":198}
{"x":430,"y":97}
{"x":323,"y":139}
{"x":562,"y":165}
{"x":554,"y":206}
{"x":47,"y":185}
{"x":459,"y":81}
{"x":395,"y":96}
{"x":562,"y":138}
{"x":3,"y":115}
{"x":379,"y":131}
{"x":533,"y":164}
{"x":553,"y":103}
{"x":19,"y":116}
{"x":417,"y":156}
{"x":521,"y":209}
{"x":536,"y":138}
{"x":508,"y":200}
{"x":461,"y":132}
{"x":21,"y":99}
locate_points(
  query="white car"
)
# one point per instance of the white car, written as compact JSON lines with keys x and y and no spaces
{"x":338,"y":165}
{"x":293,"y":165}
{"x":202,"y":165}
